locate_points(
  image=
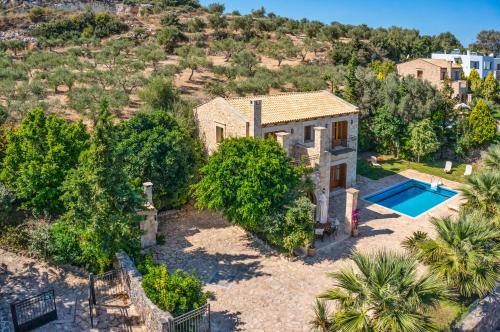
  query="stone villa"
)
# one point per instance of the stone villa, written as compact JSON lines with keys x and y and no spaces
{"x":435,"y":71}
{"x":317,"y":128}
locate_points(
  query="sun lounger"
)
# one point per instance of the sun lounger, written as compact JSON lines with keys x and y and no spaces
{"x":468,"y":170}
{"x":374,"y":161}
{"x":447,"y":167}
{"x":453,"y":207}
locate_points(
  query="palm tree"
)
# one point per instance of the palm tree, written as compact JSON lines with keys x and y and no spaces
{"x":466,"y":252}
{"x":492,"y":159}
{"x":321,"y":321}
{"x":482,"y":191}
{"x":384,"y":294}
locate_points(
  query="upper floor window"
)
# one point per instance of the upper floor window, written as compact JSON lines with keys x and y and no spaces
{"x":456,"y":75}
{"x":474,"y":64}
{"x":219,"y":134}
{"x":487,"y":65}
{"x":308,"y":134}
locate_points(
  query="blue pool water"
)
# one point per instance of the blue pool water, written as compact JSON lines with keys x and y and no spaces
{"x":411,"y":198}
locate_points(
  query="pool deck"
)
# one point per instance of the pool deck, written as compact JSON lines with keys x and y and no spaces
{"x":254,"y":288}
{"x":390,"y":227}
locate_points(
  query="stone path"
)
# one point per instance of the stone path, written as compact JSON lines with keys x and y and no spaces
{"x":22,"y":277}
{"x":257,"y":290}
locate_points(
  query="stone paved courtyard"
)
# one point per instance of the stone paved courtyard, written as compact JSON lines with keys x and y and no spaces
{"x":257,"y":290}
{"x":22,"y":277}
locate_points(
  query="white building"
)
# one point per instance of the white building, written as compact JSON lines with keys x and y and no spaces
{"x":482,"y":63}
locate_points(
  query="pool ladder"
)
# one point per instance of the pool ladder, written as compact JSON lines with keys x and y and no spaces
{"x":436,"y":182}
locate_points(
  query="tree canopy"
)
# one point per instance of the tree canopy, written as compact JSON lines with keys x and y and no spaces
{"x":155,"y":148}
{"x":39,"y":155}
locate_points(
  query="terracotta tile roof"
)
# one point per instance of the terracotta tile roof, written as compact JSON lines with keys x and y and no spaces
{"x":295,"y":106}
{"x":441,"y":63}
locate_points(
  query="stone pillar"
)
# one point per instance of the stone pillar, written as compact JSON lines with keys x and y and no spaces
{"x":149,"y":225}
{"x":322,"y":163}
{"x":351,"y":204}
{"x":283,"y":138}
{"x":255,"y":123}
{"x":148,"y":190}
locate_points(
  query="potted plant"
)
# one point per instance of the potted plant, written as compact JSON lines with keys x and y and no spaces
{"x":310,"y":249}
{"x":354,"y":223}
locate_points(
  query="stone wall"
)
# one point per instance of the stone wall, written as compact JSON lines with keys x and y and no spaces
{"x":155,"y":319}
{"x":485,"y":316}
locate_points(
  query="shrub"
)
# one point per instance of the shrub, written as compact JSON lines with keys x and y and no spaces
{"x":177,"y":292}
{"x":40,"y":239}
{"x":247,"y":179}
{"x":87,"y":25}
{"x":7,"y":199}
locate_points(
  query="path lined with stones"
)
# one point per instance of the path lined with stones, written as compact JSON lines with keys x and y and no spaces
{"x":257,"y":290}
{"x":22,"y":277}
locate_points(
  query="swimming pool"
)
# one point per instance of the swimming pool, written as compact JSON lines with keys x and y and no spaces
{"x":411,"y":198}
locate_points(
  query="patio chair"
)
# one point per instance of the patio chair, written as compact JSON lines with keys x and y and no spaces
{"x":374,"y":161}
{"x":468,"y":170}
{"x":447,"y":167}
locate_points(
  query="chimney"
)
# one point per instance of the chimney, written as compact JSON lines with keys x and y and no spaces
{"x":148,"y":190}
{"x":468,"y":52}
{"x":255,"y":127}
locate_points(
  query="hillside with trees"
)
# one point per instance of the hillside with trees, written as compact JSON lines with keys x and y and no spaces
{"x":93,"y":103}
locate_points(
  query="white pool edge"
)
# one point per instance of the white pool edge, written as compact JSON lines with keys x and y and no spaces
{"x":457,"y":192}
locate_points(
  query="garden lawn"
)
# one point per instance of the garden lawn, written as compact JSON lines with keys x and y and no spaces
{"x":447,"y":313}
{"x":391,"y":165}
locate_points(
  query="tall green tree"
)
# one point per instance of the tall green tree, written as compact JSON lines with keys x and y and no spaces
{"x":155,"y":148}
{"x":101,"y":204}
{"x":466,"y":252}
{"x":490,"y":87}
{"x":39,"y":154}
{"x":423,"y":139}
{"x":351,"y":81}
{"x":474,"y":82}
{"x":246,"y":179}
{"x":482,"y":124}
{"x":384,"y":293}
{"x":388,"y":130}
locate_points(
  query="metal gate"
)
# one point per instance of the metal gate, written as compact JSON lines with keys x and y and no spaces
{"x":104,"y":287}
{"x":197,"y":320}
{"x":34,"y":312}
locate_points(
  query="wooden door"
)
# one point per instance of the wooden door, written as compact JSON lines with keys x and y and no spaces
{"x":339,"y":134}
{"x":338,"y":175}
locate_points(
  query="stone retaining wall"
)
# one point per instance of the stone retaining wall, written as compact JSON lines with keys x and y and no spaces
{"x":485,"y":316}
{"x":155,"y":319}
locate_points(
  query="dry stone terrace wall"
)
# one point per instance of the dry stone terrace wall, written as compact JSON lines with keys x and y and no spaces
{"x":485,"y":316}
{"x":155,"y":319}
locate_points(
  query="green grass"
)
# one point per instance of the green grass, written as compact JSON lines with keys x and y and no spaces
{"x":390,"y":166}
{"x":447,"y":313}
